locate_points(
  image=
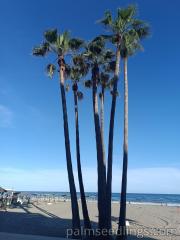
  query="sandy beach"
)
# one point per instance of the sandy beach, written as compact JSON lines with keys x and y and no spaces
{"x":53,"y":219}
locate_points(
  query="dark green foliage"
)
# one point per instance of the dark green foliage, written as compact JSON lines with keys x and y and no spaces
{"x":95,"y":48}
{"x":104,"y":78}
{"x":60,"y":44}
{"x":51,"y":35}
{"x":110,"y":66}
{"x":96,"y":45}
{"x":143,"y":31}
{"x":67,"y":70}
{"x":41,"y":50}
{"x":78,"y":60}
{"x":126,"y":13}
{"x":107,"y":20}
{"x":109,"y":54}
{"x":75,"y":43}
{"x":88,"y":83}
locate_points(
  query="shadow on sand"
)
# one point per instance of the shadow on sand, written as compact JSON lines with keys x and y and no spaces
{"x":138,"y":238}
{"x":39,"y":224}
{"x":34,"y":224}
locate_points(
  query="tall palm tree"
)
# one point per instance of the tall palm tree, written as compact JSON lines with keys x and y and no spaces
{"x":79,"y":70}
{"x":61,"y":45}
{"x":101,"y":95}
{"x":105,"y":83}
{"x":100,"y":59}
{"x":117,"y":28}
{"x":92,"y":52}
{"x":130,"y":44}
{"x":94,"y":55}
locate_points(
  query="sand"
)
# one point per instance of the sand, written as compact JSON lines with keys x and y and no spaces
{"x":13,"y":236}
{"x":53,"y":219}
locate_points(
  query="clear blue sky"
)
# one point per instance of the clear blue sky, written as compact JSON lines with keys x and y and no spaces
{"x":32,"y":154}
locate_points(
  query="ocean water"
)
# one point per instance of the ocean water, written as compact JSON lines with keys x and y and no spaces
{"x":167,"y":199}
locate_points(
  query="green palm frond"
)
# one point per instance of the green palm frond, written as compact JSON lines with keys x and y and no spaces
{"x":104,"y":78}
{"x":59,"y":41}
{"x":62,"y":43}
{"x":75,"y":74}
{"x":130,"y":43}
{"x":65,"y":43}
{"x":51,"y":35}
{"x":95,"y":47}
{"x":143,"y":31}
{"x":111,"y":66}
{"x":136,"y":23}
{"x":126,"y":13}
{"x":59,"y":45}
{"x":88,"y":83}
{"x":107,"y":20}
{"x":78,"y":59}
{"x":81,"y":64}
{"x":67,"y":70}
{"x":98,"y":41}
{"x":41,"y":50}
{"x":121,"y":21}
{"x":66,"y":35}
{"x":108,"y":54}
{"x":75,"y":43}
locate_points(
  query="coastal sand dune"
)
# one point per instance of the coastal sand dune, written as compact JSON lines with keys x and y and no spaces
{"x":53,"y":219}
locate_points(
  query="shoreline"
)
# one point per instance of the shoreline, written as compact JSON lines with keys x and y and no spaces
{"x":132,"y":198}
{"x":54,"y":200}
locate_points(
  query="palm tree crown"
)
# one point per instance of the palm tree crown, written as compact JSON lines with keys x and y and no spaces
{"x":59,"y":44}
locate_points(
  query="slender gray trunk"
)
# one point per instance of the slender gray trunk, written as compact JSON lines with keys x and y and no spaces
{"x":101,"y":167}
{"x":102,"y":122}
{"x":74,"y":202}
{"x":87,"y":223}
{"x":111,"y":137}
{"x":122,"y":215}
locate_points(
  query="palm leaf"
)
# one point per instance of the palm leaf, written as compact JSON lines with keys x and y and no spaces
{"x":41,"y":50}
{"x":75,"y":43}
{"x":108,"y":55}
{"x":88,"y":83}
{"x":51,"y":35}
{"x":107,"y":20}
{"x":127,"y":13}
{"x":67,"y":70}
{"x":143,"y":32}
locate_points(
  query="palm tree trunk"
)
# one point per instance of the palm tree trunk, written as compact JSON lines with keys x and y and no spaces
{"x":111,"y":137}
{"x":122,"y":217}
{"x":87,"y":223}
{"x":74,"y":202}
{"x":102,"y":121}
{"x":101,"y":167}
